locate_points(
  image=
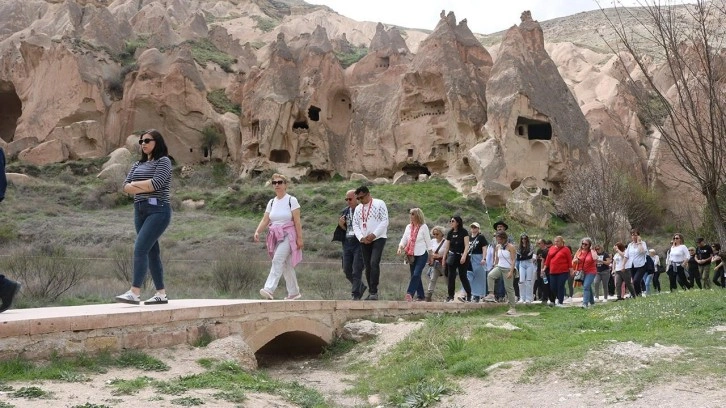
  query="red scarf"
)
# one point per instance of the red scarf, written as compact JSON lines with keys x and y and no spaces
{"x":412,"y":239}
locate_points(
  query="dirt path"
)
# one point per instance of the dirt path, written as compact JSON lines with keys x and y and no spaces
{"x":500,"y":389}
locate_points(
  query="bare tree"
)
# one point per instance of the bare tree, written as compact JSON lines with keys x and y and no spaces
{"x":684,"y":99}
{"x":595,"y":196}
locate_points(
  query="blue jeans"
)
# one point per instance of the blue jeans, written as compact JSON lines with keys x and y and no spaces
{"x":477,"y":276}
{"x":587,"y":294}
{"x":557,"y":285}
{"x":372,"y":261}
{"x":417,"y":267}
{"x":150,"y":222}
{"x":648,"y":281}
{"x":353,"y":264}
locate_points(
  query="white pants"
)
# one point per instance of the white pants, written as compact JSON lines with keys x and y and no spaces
{"x":282,"y":266}
{"x":526,"y":280}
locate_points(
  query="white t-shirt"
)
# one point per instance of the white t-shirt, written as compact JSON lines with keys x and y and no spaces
{"x":280,"y":209}
{"x":678,"y":254}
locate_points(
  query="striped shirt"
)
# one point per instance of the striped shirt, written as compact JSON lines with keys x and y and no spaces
{"x":159,"y":171}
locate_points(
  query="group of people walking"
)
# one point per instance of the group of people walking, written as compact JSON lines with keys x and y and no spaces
{"x":487,"y":271}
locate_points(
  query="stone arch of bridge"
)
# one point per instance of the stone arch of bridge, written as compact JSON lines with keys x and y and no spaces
{"x":294,"y":329}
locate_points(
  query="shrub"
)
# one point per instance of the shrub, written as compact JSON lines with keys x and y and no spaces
{"x":234,"y":274}
{"x":347,"y":59}
{"x":222,"y":104}
{"x":203,"y":51}
{"x":265,"y":24}
{"x":47,"y":272}
{"x":211,"y":137}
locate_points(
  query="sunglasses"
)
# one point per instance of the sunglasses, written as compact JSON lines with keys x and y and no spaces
{"x":145,"y":141}
{"x":452,"y":220}
{"x":585,"y":243}
{"x":349,"y":199}
{"x":277,"y":182}
{"x":674,"y":238}
{"x":360,"y":197}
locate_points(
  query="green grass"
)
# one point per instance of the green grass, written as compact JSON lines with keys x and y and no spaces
{"x":221,"y":102}
{"x":77,"y":368}
{"x":203,"y":52}
{"x":453,"y":346}
{"x":347,"y":59}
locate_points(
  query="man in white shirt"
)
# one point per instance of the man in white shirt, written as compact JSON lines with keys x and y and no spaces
{"x":370,"y":224}
{"x":352,"y":258}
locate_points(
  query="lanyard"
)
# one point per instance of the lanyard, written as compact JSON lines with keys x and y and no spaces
{"x":364,"y":215}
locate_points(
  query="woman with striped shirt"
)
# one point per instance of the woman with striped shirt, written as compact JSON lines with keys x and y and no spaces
{"x":149,"y":181}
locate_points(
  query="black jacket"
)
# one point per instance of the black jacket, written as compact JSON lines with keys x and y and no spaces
{"x":3,"y":179}
{"x":339,"y":233}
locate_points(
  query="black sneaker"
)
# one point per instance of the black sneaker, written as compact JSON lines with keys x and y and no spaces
{"x":372,"y":296}
{"x":7,"y":294}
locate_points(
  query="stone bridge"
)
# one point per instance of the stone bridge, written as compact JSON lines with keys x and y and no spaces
{"x":302,"y":325}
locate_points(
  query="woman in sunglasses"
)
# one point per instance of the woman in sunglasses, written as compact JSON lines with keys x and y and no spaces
{"x":284,"y":239}
{"x":149,"y":181}
{"x":586,"y":260}
{"x":677,"y":262}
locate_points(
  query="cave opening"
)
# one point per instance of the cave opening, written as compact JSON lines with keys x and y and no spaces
{"x":416,"y":169}
{"x":11,"y":110}
{"x":280,"y":156}
{"x":534,"y":129}
{"x":314,"y":113}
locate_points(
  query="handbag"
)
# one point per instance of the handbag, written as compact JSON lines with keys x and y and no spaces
{"x":453,"y":259}
{"x":579,"y":276}
{"x":409,"y":259}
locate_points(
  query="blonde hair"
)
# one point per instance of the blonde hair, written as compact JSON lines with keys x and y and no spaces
{"x":281,"y":177}
{"x":418,"y":215}
{"x":438,"y":228}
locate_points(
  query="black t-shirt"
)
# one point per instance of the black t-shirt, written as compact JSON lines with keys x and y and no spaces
{"x":477,"y":244}
{"x":601,"y":267}
{"x":704,"y":252}
{"x":456,"y":239}
{"x":541,"y":256}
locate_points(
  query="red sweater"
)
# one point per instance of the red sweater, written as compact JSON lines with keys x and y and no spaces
{"x":558,"y":260}
{"x":586,"y":262}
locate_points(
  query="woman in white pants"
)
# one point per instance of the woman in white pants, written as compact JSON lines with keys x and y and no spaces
{"x":526,"y":258}
{"x":284,"y":239}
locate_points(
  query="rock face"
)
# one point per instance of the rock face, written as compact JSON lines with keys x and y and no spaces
{"x":78,"y":77}
{"x":534,"y":123}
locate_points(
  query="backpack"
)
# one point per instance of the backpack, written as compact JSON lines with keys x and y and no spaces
{"x":649,"y":265}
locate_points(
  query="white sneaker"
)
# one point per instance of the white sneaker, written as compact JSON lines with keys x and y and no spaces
{"x":293,"y":297}
{"x":128,"y":297}
{"x":511,"y":311}
{"x":559,"y":305}
{"x":567,"y":299}
{"x":265,"y":294}
{"x":157,"y":299}
{"x":520,"y":301}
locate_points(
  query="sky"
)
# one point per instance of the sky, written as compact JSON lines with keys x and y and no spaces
{"x":483,"y":16}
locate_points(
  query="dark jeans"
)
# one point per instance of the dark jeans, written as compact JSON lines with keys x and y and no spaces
{"x":638,"y":274}
{"x":557,"y":285}
{"x":570,"y":285}
{"x":623,"y":277}
{"x":656,"y":281}
{"x":415,"y":286}
{"x":694,"y":277}
{"x":677,"y":275}
{"x":150,"y":222}
{"x":372,"y":262}
{"x":462,"y":276}
{"x":718,"y":276}
{"x":353,"y":264}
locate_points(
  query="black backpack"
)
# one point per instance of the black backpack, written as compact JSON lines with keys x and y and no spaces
{"x":649,"y":265}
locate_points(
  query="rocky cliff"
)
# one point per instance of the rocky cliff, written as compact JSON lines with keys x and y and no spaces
{"x":303,"y":90}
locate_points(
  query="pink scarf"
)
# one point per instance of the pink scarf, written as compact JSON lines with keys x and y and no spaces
{"x":412,"y":239}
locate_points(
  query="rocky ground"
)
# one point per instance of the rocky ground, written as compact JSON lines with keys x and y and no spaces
{"x":501,"y":388}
